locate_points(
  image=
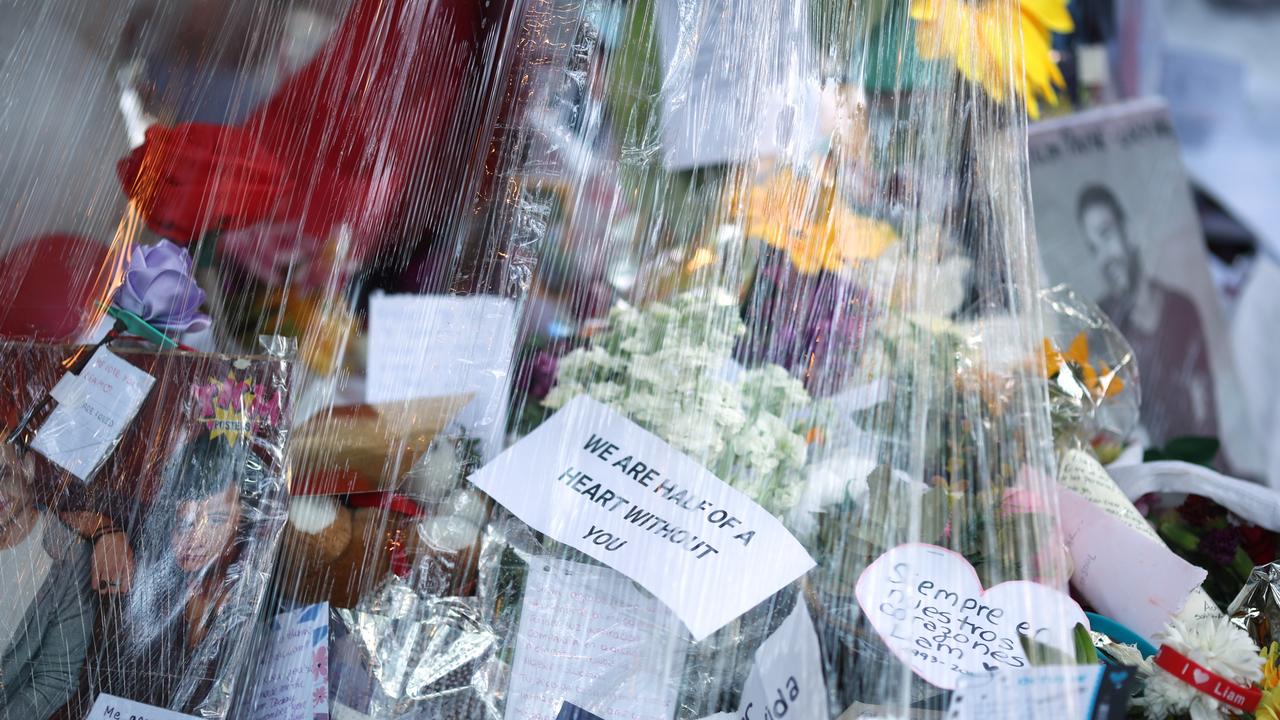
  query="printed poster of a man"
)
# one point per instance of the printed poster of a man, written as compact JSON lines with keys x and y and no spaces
{"x":1115,"y":220}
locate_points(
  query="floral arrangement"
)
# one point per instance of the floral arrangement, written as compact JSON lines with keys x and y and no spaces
{"x":1207,"y":669}
{"x":1208,"y":536}
{"x":669,"y":368}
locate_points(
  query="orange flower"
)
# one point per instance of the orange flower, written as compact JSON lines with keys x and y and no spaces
{"x":1101,"y":382}
{"x":805,"y":219}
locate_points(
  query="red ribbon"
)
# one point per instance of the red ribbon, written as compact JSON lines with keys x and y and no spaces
{"x":1207,"y":681}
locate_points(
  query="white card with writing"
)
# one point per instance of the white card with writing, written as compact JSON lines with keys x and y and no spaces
{"x":93,"y":410}
{"x":1107,"y":555}
{"x":423,"y":346}
{"x":592,"y":479}
{"x":787,"y":680}
{"x":928,"y":605}
{"x":590,"y":637}
{"x":1041,"y":692}
{"x":110,"y":707}
{"x":296,"y":686}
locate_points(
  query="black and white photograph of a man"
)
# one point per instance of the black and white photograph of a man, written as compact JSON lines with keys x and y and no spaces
{"x":1161,"y":323}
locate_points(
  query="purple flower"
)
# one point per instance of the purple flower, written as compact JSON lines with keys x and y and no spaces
{"x":537,"y":373}
{"x":1220,"y":545}
{"x":158,"y":288}
{"x":810,"y":324}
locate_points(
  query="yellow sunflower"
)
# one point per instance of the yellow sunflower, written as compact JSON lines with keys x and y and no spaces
{"x":1003,"y":45}
{"x":804,"y":218}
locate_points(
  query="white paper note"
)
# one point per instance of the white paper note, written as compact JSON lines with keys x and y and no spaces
{"x":110,"y":707}
{"x":94,"y":409}
{"x":1065,"y":692}
{"x":726,"y":98}
{"x":588,"y":636}
{"x":787,"y":681}
{"x":296,"y":686}
{"x":432,"y":345}
{"x":1107,"y":555}
{"x":592,"y":479}
{"x":928,"y":605}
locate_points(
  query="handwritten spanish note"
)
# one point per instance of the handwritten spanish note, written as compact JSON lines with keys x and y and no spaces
{"x":590,"y":638}
{"x":786,"y":680}
{"x":928,"y":605}
{"x":592,"y":479}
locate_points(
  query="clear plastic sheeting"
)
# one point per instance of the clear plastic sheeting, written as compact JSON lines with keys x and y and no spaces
{"x":652,"y":359}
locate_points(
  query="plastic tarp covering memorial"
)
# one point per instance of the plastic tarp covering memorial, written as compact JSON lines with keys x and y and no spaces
{"x":541,"y":359}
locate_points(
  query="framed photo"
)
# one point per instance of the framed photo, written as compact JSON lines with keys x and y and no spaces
{"x":1114,"y":218}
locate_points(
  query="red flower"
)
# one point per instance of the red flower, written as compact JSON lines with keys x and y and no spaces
{"x":1258,"y":543}
{"x":1198,"y":511}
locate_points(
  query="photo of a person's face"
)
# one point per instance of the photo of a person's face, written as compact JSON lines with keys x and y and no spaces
{"x":205,"y":529}
{"x":1102,"y":224}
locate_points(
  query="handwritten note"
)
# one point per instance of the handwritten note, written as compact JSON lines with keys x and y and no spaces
{"x":110,"y":707}
{"x":589,"y":637}
{"x":296,"y":686}
{"x":434,"y":345}
{"x":94,"y":409}
{"x":1107,"y":555}
{"x":1082,"y":692}
{"x":1081,"y":473}
{"x":929,"y":607}
{"x":590,"y":478}
{"x":786,"y":681}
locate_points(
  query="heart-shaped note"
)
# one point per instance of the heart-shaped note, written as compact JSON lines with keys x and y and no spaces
{"x":928,"y":606}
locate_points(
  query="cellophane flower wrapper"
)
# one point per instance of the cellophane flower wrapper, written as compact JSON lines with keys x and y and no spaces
{"x":196,"y":488}
{"x":787,"y":244}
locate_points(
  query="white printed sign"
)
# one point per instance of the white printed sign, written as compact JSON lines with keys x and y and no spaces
{"x":296,"y":686}
{"x":423,"y":346}
{"x":592,"y":479}
{"x":786,"y":681}
{"x":110,"y":707}
{"x":929,"y":607}
{"x":93,"y":411}
{"x":588,"y":636}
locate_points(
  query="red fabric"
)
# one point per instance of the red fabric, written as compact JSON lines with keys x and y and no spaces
{"x":49,"y":284}
{"x":337,"y":144}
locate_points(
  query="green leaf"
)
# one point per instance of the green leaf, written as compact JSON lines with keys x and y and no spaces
{"x":141,"y":328}
{"x":1194,"y":449}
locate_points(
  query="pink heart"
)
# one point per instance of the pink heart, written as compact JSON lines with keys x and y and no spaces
{"x":928,"y":605}
{"x":1201,"y":677}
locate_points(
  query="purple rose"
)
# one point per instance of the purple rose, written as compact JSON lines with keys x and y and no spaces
{"x":158,"y":288}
